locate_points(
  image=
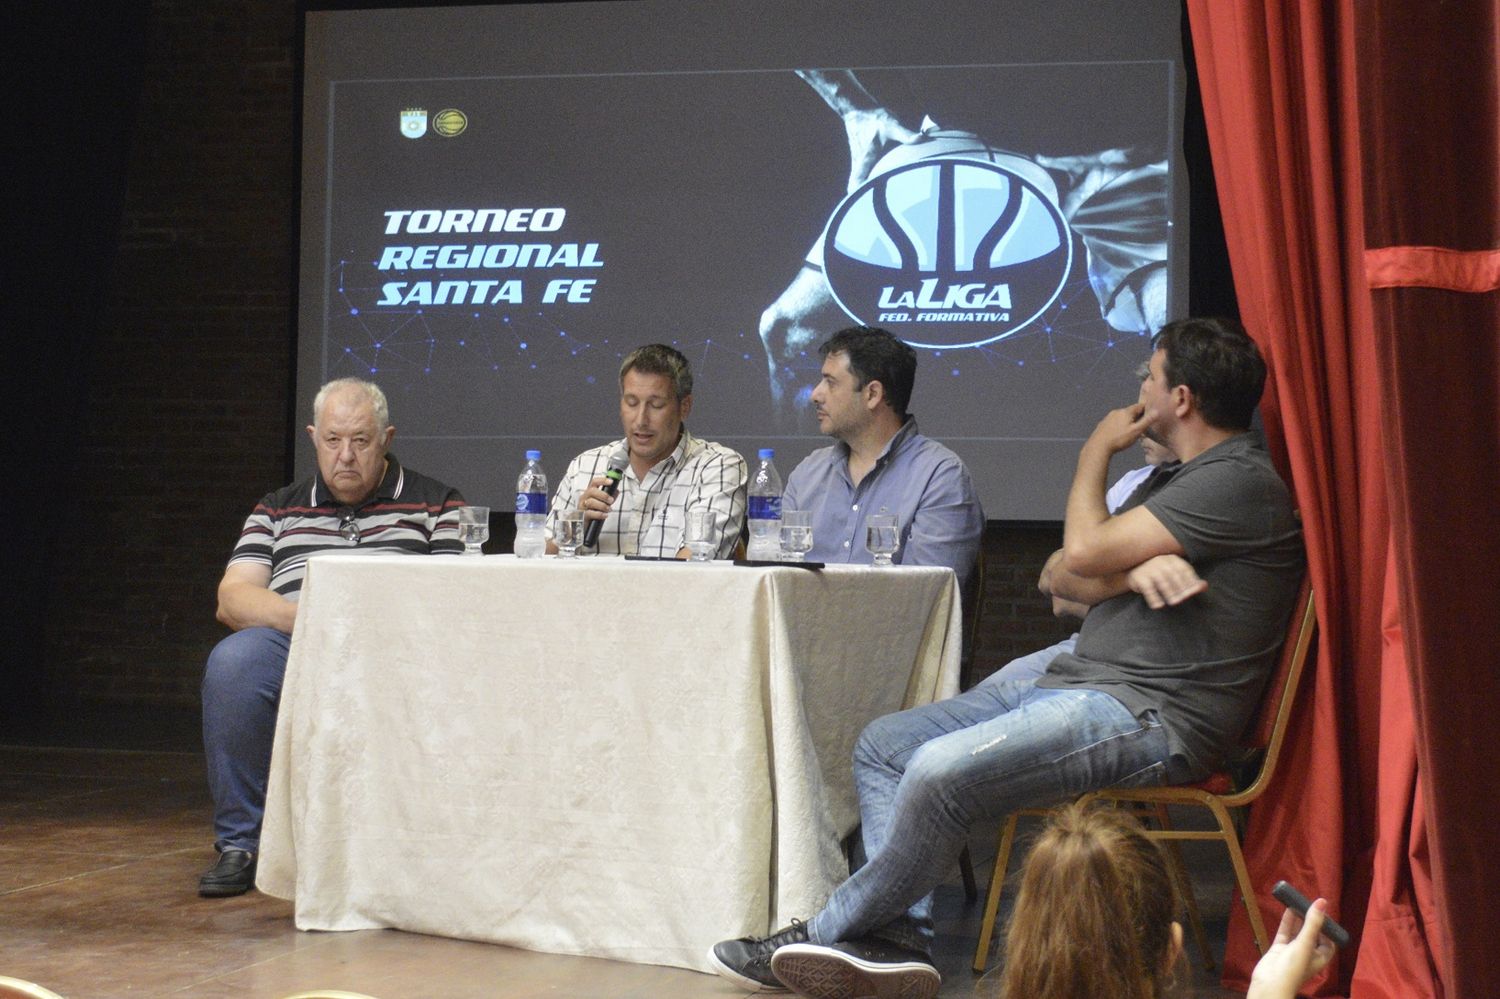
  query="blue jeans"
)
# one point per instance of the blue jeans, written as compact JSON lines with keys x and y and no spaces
{"x":926,"y":775}
{"x":241,"y":690}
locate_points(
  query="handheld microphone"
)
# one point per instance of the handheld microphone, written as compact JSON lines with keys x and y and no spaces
{"x":612,"y":476}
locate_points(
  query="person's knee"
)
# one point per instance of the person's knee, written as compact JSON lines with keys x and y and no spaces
{"x":241,"y":662}
{"x":933,"y":781}
{"x":877,"y":743}
{"x":927,"y":769}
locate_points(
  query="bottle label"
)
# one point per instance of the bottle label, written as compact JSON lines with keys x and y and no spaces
{"x":765,"y":507}
{"x":531,"y":503}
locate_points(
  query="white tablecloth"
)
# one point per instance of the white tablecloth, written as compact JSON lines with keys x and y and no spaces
{"x":612,"y":758}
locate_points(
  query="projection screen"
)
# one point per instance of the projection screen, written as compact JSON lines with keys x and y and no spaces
{"x":499,"y":203}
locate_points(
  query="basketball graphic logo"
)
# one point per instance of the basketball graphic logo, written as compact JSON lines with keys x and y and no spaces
{"x":949,"y":243}
{"x":450,"y":122}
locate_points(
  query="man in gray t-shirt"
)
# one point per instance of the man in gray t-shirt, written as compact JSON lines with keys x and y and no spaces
{"x":1201,"y":664}
{"x":1189,"y":589}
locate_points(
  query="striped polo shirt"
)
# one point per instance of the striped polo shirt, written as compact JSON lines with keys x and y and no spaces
{"x":409,"y":514}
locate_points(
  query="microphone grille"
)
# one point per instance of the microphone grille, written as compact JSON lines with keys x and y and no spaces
{"x":619,"y":459}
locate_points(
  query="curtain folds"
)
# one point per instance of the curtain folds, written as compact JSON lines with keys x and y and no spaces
{"x":1354,"y":147}
{"x":1271,"y":94}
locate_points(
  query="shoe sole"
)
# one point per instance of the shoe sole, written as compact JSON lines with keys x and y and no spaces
{"x":221,"y":891}
{"x":726,"y":971}
{"x":823,"y":973}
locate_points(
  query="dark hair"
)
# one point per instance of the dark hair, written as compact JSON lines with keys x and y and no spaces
{"x":876,"y":356}
{"x":1218,"y":361}
{"x":1094,"y":914}
{"x":659,"y":359}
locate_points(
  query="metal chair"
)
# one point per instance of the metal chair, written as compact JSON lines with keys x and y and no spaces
{"x":1218,"y":793}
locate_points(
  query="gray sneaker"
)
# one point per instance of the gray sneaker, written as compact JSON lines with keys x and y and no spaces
{"x":747,"y":960}
{"x":856,"y":969}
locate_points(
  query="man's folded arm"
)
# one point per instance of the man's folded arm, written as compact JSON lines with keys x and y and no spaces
{"x":1078,"y":593}
{"x":247,"y":601}
{"x":1116,"y":544}
{"x":1163,"y":580}
{"x":1095,"y":543}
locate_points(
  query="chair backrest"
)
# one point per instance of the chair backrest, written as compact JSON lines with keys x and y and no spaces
{"x":1268,"y":729}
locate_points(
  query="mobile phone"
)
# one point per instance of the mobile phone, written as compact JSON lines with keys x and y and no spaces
{"x":1298,"y":903}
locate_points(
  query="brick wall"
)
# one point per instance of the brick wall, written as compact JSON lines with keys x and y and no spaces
{"x":185,"y":423}
{"x":188,"y":381}
{"x":1015,"y":618}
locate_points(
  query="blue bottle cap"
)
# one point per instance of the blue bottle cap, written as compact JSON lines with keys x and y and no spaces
{"x":533,"y":456}
{"x":766,"y":453}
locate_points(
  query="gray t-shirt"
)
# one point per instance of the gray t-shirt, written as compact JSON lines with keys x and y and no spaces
{"x":1201,"y":665}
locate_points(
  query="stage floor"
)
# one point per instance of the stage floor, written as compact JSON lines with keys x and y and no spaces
{"x":100,"y":852}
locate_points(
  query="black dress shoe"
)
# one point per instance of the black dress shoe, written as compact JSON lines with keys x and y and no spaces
{"x":234,"y":874}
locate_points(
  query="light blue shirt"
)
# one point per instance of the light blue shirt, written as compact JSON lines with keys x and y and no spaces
{"x":919,"y":480}
{"x":1127,"y":484}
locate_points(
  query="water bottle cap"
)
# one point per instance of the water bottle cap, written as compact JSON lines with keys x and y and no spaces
{"x":767,"y":453}
{"x":533,"y":456}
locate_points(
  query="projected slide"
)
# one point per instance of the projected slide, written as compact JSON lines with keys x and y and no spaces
{"x":487,"y":236}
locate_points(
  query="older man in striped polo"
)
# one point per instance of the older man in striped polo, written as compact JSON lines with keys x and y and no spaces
{"x":360,"y":501}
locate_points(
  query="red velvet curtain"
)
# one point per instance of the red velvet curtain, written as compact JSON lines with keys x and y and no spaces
{"x":1430,"y":151}
{"x":1354,"y":147}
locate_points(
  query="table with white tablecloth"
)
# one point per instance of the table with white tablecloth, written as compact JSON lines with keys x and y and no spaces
{"x":600,"y":756}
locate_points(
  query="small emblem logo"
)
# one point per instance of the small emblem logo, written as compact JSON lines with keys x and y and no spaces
{"x":450,"y":122}
{"x":414,"y":123}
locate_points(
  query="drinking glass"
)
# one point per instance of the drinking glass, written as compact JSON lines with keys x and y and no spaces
{"x":570,"y":524}
{"x":700,"y":535}
{"x":473,"y":528}
{"x":882,"y":537}
{"x":796,"y":535}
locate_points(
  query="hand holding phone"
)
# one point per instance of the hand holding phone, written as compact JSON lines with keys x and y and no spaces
{"x":1298,"y":903}
{"x":1303,"y":947}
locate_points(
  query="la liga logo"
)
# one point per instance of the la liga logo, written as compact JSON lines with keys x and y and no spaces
{"x":949,"y":243}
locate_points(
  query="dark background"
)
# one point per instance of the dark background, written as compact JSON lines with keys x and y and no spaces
{"x":152,"y":160}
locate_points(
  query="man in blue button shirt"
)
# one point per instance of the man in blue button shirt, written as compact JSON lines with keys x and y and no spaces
{"x":881,"y":464}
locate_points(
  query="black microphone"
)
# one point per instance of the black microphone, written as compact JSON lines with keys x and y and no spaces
{"x":612,"y":476}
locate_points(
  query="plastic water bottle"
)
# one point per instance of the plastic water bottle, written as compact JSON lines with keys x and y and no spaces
{"x":765,"y":510}
{"x":531,"y":508}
